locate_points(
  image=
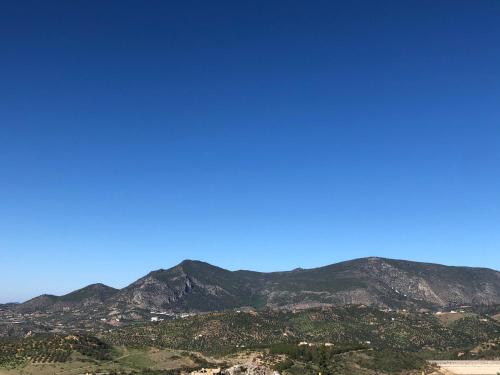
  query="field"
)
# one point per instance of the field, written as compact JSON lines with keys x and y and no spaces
{"x":133,"y":361}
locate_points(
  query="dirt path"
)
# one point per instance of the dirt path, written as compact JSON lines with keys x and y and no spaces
{"x":470,"y":367}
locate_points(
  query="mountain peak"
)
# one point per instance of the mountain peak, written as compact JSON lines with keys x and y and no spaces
{"x":186,"y":264}
{"x":189,"y":261}
{"x":194,"y":262}
{"x":97,"y":291}
{"x":194,"y":285}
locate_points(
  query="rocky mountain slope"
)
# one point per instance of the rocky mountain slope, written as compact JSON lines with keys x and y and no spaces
{"x":199,"y":286}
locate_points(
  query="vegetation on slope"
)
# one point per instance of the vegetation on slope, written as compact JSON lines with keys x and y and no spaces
{"x":50,"y":349}
{"x":346,"y":360}
{"x":224,"y":332}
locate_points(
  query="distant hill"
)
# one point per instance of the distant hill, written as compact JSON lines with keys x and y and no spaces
{"x":91,"y":295}
{"x":198,"y":286}
{"x":8,"y":305}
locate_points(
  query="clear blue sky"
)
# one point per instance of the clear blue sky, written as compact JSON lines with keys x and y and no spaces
{"x":261,"y":135}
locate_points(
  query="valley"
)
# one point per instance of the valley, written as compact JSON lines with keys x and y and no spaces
{"x":350,"y":318}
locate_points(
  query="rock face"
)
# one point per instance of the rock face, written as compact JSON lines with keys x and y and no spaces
{"x":199,"y":286}
{"x":191,"y":285}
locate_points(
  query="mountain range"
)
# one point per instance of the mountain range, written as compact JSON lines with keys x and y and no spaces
{"x":195,"y":286}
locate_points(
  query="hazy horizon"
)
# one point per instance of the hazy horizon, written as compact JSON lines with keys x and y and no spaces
{"x":249,"y":135}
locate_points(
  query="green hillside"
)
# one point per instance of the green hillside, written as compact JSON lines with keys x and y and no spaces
{"x":230,"y":331}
